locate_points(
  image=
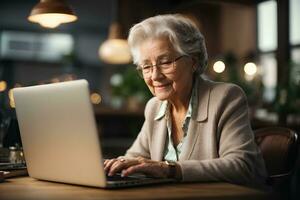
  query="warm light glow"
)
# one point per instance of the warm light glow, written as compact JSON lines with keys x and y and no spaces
{"x":95,"y":98}
{"x":3,"y":86}
{"x":52,"y":20}
{"x":11,"y":98}
{"x":250,"y":68}
{"x":12,"y":104}
{"x":115,"y":51}
{"x":10,"y":94}
{"x":219,"y":67}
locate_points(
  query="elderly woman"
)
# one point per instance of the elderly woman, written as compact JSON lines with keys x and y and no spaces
{"x":194,"y":129}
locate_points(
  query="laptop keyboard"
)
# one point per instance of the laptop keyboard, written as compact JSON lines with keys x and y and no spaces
{"x":133,"y":180}
{"x":118,"y":177}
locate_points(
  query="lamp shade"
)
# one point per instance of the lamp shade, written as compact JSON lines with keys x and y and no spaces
{"x":52,"y":13}
{"x":115,"y":49}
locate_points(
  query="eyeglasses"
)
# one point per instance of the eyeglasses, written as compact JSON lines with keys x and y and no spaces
{"x":164,"y":66}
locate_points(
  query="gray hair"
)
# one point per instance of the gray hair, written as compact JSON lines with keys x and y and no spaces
{"x":181,"y":31}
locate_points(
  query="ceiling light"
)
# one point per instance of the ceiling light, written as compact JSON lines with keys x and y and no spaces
{"x":52,"y":13}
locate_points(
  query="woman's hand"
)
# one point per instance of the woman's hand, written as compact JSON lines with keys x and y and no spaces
{"x":136,"y":165}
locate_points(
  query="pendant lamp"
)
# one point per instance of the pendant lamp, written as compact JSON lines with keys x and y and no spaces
{"x":52,"y":13}
{"x":115,"y":49}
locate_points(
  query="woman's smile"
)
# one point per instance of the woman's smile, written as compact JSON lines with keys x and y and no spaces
{"x":162,"y":86}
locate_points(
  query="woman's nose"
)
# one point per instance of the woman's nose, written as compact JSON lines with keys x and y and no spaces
{"x":156,"y":74}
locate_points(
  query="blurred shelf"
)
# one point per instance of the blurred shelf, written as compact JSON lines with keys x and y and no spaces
{"x":119,"y":123}
{"x":114,"y":147}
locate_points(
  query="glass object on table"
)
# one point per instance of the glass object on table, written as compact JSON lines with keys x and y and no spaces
{"x":16,"y":155}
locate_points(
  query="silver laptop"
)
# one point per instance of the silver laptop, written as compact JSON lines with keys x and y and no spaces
{"x":60,"y":137}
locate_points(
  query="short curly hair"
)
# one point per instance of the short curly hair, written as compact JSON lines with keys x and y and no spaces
{"x":184,"y":35}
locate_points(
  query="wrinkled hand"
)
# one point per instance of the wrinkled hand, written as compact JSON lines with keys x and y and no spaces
{"x":136,"y":165}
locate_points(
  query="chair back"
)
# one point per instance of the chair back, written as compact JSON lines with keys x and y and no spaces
{"x":279,"y":147}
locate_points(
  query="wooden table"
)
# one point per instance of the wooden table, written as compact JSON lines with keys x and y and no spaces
{"x":27,"y":188}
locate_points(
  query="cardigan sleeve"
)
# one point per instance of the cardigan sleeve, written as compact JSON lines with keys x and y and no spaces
{"x":239,"y":160}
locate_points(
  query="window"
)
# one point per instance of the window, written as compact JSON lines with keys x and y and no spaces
{"x":267,"y":44}
{"x":267,"y":26}
{"x":294,"y":22}
{"x":269,"y":79}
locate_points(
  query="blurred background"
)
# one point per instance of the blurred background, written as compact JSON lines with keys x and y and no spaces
{"x":253,"y":43}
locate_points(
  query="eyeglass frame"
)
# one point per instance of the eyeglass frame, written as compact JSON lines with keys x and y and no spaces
{"x":158,"y":65}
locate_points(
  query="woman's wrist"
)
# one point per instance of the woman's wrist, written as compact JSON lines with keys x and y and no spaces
{"x":178,"y":175}
{"x":165,"y":169}
{"x":173,"y":170}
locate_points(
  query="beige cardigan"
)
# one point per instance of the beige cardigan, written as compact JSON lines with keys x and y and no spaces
{"x":219,"y":145}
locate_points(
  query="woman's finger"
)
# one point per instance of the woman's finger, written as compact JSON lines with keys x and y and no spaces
{"x":139,"y":168}
{"x":106,"y":161}
{"x":121,"y":164}
{"x":152,"y":168}
{"x":108,"y":164}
